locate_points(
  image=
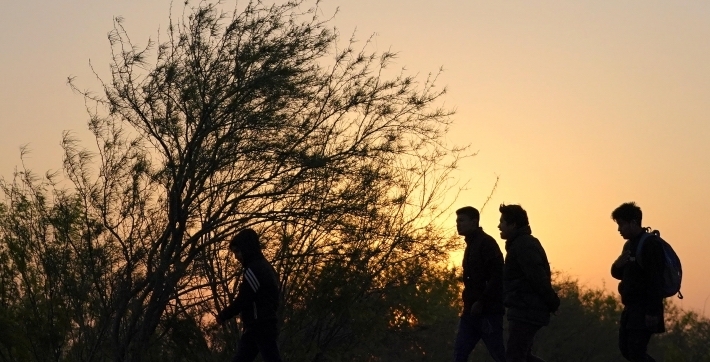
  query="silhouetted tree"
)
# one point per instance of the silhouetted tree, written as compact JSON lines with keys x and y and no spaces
{"x":687,"y":337}
{"x":257,"y":119}
{"x":53,"y":275}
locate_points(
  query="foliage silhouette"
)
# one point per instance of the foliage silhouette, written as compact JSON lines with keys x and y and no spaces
{"x":249,"y":119}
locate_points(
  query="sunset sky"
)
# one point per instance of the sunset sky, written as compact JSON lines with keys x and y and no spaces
{"x":578,"y":106}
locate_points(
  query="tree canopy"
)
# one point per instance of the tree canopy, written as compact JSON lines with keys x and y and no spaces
{"x":254,"y":118}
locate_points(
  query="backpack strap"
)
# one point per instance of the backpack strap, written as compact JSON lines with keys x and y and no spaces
{"x":639,"y":247}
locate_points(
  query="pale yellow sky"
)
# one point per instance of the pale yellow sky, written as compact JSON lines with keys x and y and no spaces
{"x":578,"y":106}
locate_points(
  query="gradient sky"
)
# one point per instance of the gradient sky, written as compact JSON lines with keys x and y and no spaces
{"x":577,"y":106}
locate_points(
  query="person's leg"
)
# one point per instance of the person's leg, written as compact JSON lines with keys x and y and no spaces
{"x":467,"y":336}
{"x":247,"y":348}
{"x":637,"y":345}
{"x":534,"y":358}
{"x":520,"y":340}
{"x":623,"y":335}
{"x":267,"y":342}
{"x":492,"y":335}
{"x":531,"y":357}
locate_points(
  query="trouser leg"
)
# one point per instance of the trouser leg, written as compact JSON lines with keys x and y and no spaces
{"x":520,"y":341}
{"x":633,"y":342}
{"x":534,"y":358}
{"x":467,"y":335}
{"x":247,"y":348}
{"x":492,"y":335}
{"x":267,"y":342}
{"x":636,"y":345}
{"x":261,"y":338}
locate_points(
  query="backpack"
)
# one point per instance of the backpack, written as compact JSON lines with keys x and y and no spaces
{"x":673,"y":272}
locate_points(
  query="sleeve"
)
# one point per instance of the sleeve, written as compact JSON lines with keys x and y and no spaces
{"x":248,"y":287}
{"x":493,"y":266}
{"x":653,"y":267}
{"x":618,"y":272}
{"x":537,"y":273}
{"x":531,"y":262}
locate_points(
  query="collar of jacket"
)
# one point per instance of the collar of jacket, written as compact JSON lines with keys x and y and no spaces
{"x":525,"y":230}
{"x":472,"y":235}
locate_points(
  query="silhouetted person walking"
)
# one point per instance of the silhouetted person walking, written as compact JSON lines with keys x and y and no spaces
{"x":529,"y":296}
{"x":641,"y":287}
{"x":257,"y":301}
{"x":482,"y":315}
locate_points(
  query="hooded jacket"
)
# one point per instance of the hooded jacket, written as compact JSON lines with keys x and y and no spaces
{"x":482,"y":273}
{"x":258,"y":297}
{"x":529,"y":296}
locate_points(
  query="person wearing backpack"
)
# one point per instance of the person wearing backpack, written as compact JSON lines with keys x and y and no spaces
{"x":641,"y":285}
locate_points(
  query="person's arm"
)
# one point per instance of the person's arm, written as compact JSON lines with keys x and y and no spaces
{"x":532,"y":265}
{"x":537,"y":273}
{"x":493,"y":271}
{"x":245,"y":296}
{"x":617,"y":268}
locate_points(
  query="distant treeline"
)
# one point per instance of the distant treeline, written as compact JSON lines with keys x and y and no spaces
{"x":49,"y":313}
{"x":63,"y":297}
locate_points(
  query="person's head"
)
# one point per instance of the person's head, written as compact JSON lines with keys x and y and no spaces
{"x":628,"y":219}
{"x":245,"y":245}
{"x":467,"y":220}
{"x":512,"y":217}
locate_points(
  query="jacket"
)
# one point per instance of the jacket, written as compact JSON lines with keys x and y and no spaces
{"x":482,"y":273}
{"x":258,"y":297}
{"x":641,"y":287}
{"x":529,"y":296}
